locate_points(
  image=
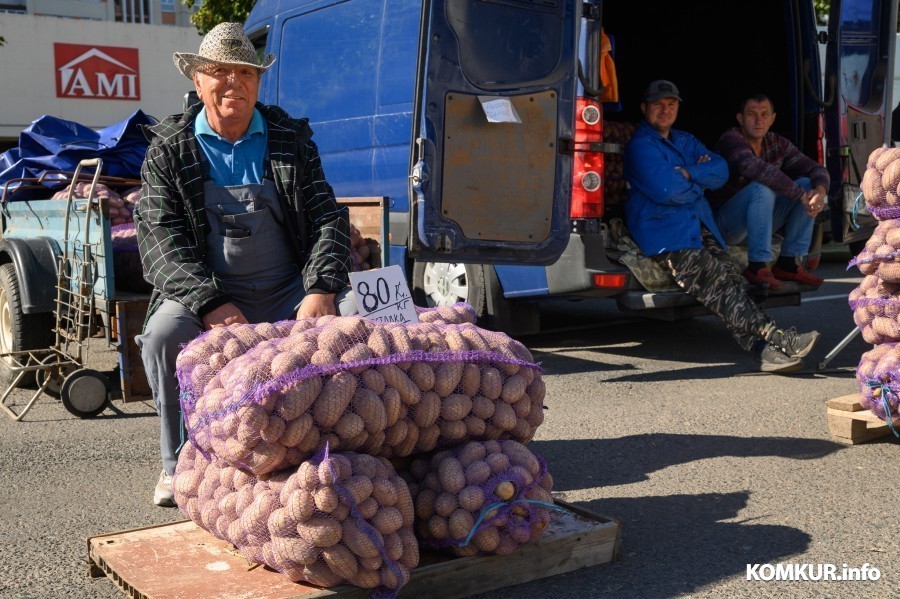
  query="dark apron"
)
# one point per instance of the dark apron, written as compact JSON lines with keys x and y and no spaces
{"x":250,"y":251}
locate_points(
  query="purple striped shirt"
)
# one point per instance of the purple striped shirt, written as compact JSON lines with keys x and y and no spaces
{"x":779,"y":165}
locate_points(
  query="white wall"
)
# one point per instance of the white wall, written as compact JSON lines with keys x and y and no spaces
{"x":28,"y":78}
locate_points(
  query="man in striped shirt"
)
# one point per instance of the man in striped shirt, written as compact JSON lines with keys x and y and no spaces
{"x":771,"y":185}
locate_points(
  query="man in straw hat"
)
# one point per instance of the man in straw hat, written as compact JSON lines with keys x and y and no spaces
{"x":236,"y":222}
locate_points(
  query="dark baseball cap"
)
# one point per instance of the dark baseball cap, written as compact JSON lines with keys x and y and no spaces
{"x":660,"y":89}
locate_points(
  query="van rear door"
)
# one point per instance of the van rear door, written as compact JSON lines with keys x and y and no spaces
{"x":490,"y":175}
{"x":859,"y":64}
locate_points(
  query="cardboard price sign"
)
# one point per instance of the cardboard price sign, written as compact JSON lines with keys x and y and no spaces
{"x":382,"y":295}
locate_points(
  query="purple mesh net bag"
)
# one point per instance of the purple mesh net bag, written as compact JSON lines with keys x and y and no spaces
{"x":876,"y":310}
{"x":485,"y":497}
{"x":878,"y":374}
{"x":265,"y":402}
{"x":881,"y":183}
{"x":335,"y":519}
{"x":881,"y":256}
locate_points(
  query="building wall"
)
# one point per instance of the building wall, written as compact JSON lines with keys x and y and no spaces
{"x":28,"y":70}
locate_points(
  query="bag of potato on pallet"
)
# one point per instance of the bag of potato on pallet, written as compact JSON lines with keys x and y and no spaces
{"x":265,"y":402}
{"x":337,"y":518}
{"x":485,"y":497}
{"x":878,"y":374}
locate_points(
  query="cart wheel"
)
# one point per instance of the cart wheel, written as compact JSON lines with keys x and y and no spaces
{"x":85,"y":393}
{"x":57,"y":376}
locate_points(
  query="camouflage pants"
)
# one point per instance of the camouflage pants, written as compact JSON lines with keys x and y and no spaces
{"x":715,"y":282}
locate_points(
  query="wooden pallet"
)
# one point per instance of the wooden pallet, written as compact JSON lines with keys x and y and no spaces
{"x":182,"y":560}
{"x":851,"y":424}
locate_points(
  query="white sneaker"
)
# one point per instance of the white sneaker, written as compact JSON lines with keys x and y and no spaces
{"x":162,"y":494}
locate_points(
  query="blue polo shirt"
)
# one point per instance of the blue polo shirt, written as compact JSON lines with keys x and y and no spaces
{"x":236,"y":163}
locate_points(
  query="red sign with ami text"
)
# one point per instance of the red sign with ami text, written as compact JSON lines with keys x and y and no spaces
{"x":97,"y":72}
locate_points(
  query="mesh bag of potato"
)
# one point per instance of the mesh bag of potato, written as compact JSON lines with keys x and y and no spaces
{"x":881,"y":256}
{"x":881,"y":183}
{"x":481,"y":497}
{"x":876,"y":310}
{"x":263,"y":399}
{"x":878,"y":374}
{"x":337,"y":518}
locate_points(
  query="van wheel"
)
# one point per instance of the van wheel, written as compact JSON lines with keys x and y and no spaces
{"x":19,"y":331}
{"x":446,"y":283}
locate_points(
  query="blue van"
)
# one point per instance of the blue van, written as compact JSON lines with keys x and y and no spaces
{"x":403,"y":96}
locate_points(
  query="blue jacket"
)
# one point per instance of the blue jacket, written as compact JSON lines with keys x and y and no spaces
{"x":664,"y":209}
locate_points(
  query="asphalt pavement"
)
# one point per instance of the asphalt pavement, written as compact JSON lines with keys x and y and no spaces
{"x":661,"y":425}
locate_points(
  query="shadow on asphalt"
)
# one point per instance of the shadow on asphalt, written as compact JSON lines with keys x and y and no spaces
{"x":676,"y":544}
{"x":631,"y":459}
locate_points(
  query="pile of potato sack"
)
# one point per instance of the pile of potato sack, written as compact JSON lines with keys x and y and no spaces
{"x":331,"y":449}
{"x":876,"y":302}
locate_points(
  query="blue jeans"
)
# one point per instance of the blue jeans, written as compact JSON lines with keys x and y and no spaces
{"x":755,"y":211}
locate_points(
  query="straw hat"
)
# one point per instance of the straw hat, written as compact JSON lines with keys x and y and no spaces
{"x":226,"y":43}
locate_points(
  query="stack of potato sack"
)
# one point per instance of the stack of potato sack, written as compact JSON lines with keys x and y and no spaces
{"x":365,"y":252}
{"x":277,"y":400}
{"x":876,"y":302}
{"x":615,"y":191}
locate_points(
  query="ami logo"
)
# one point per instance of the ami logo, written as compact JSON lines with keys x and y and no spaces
{"x":97,"y":72}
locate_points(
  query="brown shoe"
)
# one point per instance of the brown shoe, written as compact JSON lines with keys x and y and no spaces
{"x":801,"y":276}
{"x":762,"y":278}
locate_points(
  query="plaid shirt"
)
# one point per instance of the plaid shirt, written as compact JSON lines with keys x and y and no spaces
{"x":780,"y":164}
{"x":172,"y":224}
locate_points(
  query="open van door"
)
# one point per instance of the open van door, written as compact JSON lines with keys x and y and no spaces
{"x":860,"y":64}
{"x":491,"y":168}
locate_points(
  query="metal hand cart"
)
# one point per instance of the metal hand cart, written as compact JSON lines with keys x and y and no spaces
{"x":86,"y":302}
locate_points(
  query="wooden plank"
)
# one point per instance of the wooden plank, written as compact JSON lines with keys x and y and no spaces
{"x":849,"y":423}
{"x":846,"y":403}
{"x":182,"y":560}
{"x":130,"y":316}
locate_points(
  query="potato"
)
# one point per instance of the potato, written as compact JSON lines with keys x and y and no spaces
{"x":451,"y":475}
{"x":422,"y":375}
{"x":336,"y":395}
{"x":387,"y":520}
{"x":341,"y":561}
{"x":357,"y":541}
{"x":456,"y":407}
{"x":370,"y":408}
{"x":448,"y":377}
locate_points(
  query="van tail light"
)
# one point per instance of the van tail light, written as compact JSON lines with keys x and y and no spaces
{"x":610,"y":281}
{"x":820,"y":139}
{"x":587,"y":172}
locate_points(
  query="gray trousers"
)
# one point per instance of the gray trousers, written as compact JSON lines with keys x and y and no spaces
{"x":171,"y":327}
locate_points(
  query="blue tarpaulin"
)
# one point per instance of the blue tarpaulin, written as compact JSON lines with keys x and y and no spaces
{"x":52,"y":143}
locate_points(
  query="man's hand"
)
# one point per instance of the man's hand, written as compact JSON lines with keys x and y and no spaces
{"x":701,"y":160}
{"x":224,"y":315}
{"x":814,"y":200}
{"x":316,"y":304}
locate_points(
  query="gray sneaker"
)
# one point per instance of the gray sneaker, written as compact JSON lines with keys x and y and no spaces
{"x":162,"y":494}
{"x":794,"y":344}
{"x":772,"y":359}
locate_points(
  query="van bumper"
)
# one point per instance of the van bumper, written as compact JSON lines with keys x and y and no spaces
{"x":586,"y":255}
{"x":573,"y":274}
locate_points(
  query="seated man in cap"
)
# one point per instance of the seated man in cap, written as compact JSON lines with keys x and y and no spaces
{"x":236,"y":222}
{"x":772,"y":185}
{"x":668,"y":216}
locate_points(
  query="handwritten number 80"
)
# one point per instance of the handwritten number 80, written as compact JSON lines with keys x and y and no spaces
{"x":371,"y":301}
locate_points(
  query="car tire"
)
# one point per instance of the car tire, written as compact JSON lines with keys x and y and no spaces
{"x":446,"y":283}
{"x":19,"y":331}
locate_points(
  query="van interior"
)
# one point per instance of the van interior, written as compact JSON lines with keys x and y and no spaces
{"x":715,"y":52}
